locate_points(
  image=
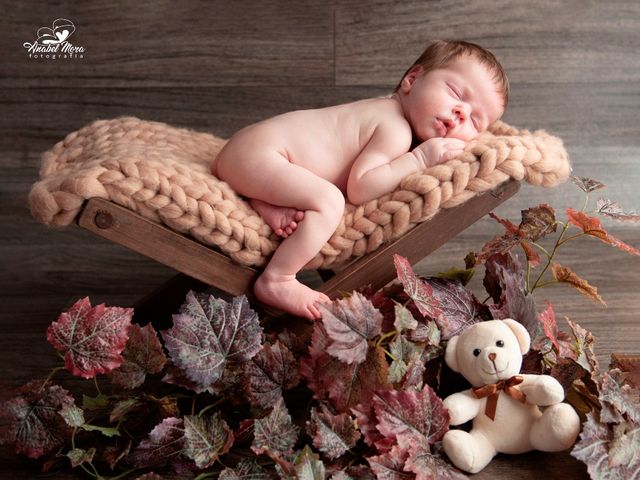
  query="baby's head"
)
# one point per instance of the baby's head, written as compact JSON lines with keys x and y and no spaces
{"x":454,"y":89}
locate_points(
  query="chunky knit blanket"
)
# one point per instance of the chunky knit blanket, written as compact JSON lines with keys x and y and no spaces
{"x":163,"y":173}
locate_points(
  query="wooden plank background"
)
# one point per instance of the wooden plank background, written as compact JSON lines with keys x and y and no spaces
{"x":216,"y":66}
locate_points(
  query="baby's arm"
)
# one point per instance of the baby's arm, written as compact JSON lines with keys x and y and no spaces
{"x":385,"y":161}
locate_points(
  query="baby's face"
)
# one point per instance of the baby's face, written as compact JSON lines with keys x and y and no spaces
{"x":458,"y":101}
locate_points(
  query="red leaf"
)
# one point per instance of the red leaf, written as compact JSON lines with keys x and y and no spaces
{"x":367,"y":423}
{"x":142,"y":355}
{"x":587,"y":185}
{"x":332,"y":434}
{"x":209,"y":333}
{"x":614,"y":210}
{"x":537,"y":222}
{"x":458,"y":306}
{"x":164,"y":443}
{"x":31,"y":421}
{"x":420,"y":292}
{"x":246,"y":469}
{"x":428,"y":466}
{"x":411,"y":416}
{"x":275,"y":433}
{"x":91,"y":338}
{"x":390,"y":465}
{"x":566,"y":275}
{"x":271,"y":371}
{"x":206,"y":438}
{"x":533,"y":257}
{"x":509,"y":226}
{"x":345,"y":385}
{"x":350,"y":323}
{"x":549,"y":326}
{"x":592,"y":226}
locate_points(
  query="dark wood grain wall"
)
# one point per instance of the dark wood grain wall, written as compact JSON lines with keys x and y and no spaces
{"x":218,"y":65}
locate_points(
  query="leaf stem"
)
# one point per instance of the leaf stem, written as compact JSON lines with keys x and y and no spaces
{"x":550,"y":258}
{"x":544,"y":284}
{"x":212,"y":405}
{"x":571,"y":238}
{"x":95,"y":381}
{"x":542,"y":249}
{"x":384,"y":336}
{"x":50,"y":376}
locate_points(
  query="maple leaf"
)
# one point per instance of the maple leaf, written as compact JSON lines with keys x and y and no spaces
{"x":420,"y":292}
{"x":582,"y":347}
{"x":411,"y":416}
{"x":165,"y":442}
{"x":345,"y":385}
{"x":504,"y":281}
{"x":209,"y":333}
{"x":31,"y":421}
{"x":614,"y":210}
{"x":246,"y":469}
{"x":458,"y":306}
{"x":547,"y":319}
{"x":367,"y":423}
{"x":428,"y":466}
{"x":537,"y":222}
{"x":619,"y":398}
{"x":592,"y":226}
{"x":91,"y":338}
{"x":390,"y":465}
{"x":275,"y":434}
{"x":206,"y":438}
{"x":308,"y":466}
{"x":350,"y":323}
{"x":142,"y":355}
{"x":332,"y":434}
{"x":272,"y":370}
{"x":587,"y":185}
{"x":565,"y":275}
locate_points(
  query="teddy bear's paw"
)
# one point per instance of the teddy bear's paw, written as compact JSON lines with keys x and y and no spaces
{"x":556,"y":430}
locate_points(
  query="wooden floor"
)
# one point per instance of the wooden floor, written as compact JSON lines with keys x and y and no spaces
{"x":217,"y":66}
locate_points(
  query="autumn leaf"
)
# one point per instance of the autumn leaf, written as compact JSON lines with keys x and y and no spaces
{"x":332,"y":434}
{"x":275,"y":433}
{"x":537,"y":222}
{"x":143,"y":355}
{"x":620,"y":399}
{"x":78,"y":456}
{"x":350,"y":323}
{"x":614,"y":210}
{"x":246,"y":469}
{"x":411,"y":416}
{"x":345,"y":385}
{"x":582,"y":347}
{"x":420,"y":292}
{"x":587,"y":185}
{"x":273,"y":370}
{"x":91,"y":338}
{"x":206,"y":437}
{"x":458,"y":306}
{"x":428,"y":466}
{"x":31,"y":421}
{"x":504,"y":281}
{"x":209,"y":333}
{"x":163,"y":444}
{"x":402,"y":351}
{"x":566,"y":275}
{"x":390,"y":465}
{"x":592,"y":226}
{"x":308,"y":465}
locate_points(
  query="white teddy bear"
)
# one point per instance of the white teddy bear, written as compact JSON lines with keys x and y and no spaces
{"x":502,"y":404}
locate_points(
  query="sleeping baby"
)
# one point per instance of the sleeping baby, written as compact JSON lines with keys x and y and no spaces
{"x":298,"y":167}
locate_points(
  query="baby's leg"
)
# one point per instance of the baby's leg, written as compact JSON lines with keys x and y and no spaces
{"x":270,"y":177}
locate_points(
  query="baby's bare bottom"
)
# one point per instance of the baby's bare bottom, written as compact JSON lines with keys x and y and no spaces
{"x":270,"y":177}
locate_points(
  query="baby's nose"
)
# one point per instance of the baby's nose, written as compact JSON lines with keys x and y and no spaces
{"x":492,"y":356}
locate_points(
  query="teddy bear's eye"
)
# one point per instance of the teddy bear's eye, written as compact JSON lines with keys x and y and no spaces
{"x":499,"y":343}
{"x":476,"y":352}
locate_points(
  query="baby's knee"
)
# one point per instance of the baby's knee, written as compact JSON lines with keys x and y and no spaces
{"x":331,"y":201}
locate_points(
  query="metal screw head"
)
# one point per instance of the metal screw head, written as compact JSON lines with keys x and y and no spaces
{"x":103,"y":220}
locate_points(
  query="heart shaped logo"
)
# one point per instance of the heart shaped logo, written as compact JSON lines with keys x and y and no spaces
{"x":60,"y":31}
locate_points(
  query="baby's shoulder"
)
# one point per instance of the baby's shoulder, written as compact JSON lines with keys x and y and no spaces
{"x":385,"y":117}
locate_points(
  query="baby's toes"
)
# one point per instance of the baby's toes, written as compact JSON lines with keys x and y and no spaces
{"x":298,"y":216}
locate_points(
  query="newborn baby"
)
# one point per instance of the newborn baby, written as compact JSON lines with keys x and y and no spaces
{"x":297,"y":167}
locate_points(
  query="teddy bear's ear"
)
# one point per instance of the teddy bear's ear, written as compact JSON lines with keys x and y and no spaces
{"x":521,"y":333}
{"x":450,"y":354}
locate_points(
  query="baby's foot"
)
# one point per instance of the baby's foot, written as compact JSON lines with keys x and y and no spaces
{"x":283,"y":220}
{"x":286,"y":293}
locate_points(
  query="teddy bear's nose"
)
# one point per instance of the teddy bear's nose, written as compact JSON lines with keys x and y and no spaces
{"x":492,"y":356}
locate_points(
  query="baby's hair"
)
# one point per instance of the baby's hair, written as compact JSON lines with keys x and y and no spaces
{"x":442,"y":52}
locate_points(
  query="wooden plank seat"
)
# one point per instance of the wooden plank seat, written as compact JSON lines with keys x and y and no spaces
{"x":201,"y":266}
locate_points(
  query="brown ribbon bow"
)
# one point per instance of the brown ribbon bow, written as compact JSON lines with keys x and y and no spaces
{"x":492,"y":391}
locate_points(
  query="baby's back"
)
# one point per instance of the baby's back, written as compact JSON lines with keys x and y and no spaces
{"x":325,"y":141}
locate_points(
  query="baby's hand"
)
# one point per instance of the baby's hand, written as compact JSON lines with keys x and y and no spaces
{"x":437,"y":150}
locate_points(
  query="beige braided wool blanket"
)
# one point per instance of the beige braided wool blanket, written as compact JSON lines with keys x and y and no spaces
{"x":163,"y":173}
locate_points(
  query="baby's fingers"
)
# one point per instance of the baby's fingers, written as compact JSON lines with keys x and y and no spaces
{"x":451,"y":154}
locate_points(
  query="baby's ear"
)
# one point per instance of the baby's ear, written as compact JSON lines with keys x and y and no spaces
{"x":521,"y":333}
{"x":450,"y":354}
{"x":410,"y":77}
